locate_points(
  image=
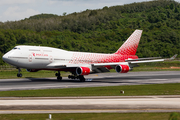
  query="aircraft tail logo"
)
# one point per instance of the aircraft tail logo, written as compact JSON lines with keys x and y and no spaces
{"x":131,"y":44}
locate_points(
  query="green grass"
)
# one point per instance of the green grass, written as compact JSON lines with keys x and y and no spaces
{"x":130,"y":90}
{"x":159,"y":66}
{"x":90,"y":116}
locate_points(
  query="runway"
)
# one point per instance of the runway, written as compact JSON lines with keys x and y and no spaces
{"x":104,"y":104}
{"x":93,"y":80}
{"x":95,"y":104}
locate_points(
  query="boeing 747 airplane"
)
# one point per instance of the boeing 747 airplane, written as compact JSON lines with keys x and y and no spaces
{"x":35,"y":58}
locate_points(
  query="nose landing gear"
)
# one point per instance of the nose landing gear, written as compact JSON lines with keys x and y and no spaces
{"x":19,"y":74}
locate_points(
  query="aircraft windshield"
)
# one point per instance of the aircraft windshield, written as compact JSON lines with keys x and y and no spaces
{"x":16,"y":48}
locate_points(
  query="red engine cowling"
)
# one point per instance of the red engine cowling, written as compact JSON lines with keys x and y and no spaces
{"x":32,"y":70}
{"x":122,"y":68}
{"x":82,"y":71}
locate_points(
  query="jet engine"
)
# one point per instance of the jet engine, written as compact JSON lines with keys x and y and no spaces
{"x":32,"y":70}
{"x":122,"y":68}
{"x":82,"y":71}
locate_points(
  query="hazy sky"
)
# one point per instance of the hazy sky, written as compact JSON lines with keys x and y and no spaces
{"x":13,"y":10}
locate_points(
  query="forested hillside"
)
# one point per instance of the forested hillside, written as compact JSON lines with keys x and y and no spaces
{"x":102,"y":30}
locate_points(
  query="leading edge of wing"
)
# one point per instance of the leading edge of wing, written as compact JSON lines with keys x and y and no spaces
{"x":141,"y":59}
{"x":146,"y":61}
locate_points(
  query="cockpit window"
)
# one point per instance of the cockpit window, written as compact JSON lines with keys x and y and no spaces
{"x":16,"y":48}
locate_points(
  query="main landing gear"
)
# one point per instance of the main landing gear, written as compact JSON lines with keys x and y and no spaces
{"x":80,"y":77}
{"x":73,"y":76}
{"x":59,"y":78}
{"x":19,"y":74}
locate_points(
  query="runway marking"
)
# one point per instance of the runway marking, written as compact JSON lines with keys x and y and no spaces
{"x":90,"y":79}
{"x":158,"y":79}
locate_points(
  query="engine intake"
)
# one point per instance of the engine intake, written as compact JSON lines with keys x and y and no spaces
{"x":122,"y":68}
{"x":32,"y":70}
{"x":82,"y":71}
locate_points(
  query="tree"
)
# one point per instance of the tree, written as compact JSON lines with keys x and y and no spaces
{"x":171,"y":6}
{"x":64,"y":14}
{"x":92,"y":13}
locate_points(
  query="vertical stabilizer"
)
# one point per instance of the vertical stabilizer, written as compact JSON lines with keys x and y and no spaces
{"x":130,"y":46}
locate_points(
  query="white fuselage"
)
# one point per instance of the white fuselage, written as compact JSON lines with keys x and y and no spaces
{"x":36,"y":57}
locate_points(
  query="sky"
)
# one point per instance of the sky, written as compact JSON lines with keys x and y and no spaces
{"x":14,"y":10}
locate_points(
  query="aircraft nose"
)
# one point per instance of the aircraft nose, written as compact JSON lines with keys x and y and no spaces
{"x":5,"y":57}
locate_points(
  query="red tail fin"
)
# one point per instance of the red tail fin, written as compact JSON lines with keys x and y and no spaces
{"x":131,"y":44}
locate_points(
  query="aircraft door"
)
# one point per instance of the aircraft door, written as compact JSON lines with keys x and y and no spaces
{"x":50,"y":59}
{"x":30,"y":58}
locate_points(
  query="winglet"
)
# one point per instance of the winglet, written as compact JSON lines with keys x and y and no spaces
{"x":130,"y":46}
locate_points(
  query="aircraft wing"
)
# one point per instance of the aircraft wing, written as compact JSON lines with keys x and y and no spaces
{"x":104,"y":67}
{"x":62,"y":65}
{"x":56,"y":65}
{"x":129,"y":62}
{"x":101,"y":65}
{"x":146,"y":61}
{"x":141,"y":59}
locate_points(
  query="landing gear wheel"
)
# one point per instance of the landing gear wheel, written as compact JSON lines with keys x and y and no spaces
{"x":75,"y":76}
{"x":81,"y":78}
{"x":19,"y":75}
{"x":57,"y":74}
{"x":59,"y":78}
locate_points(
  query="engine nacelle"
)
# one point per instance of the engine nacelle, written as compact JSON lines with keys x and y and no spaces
{"x":82,"y":71}
{"x":122,"y":68}
{"x":32,"y":70}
